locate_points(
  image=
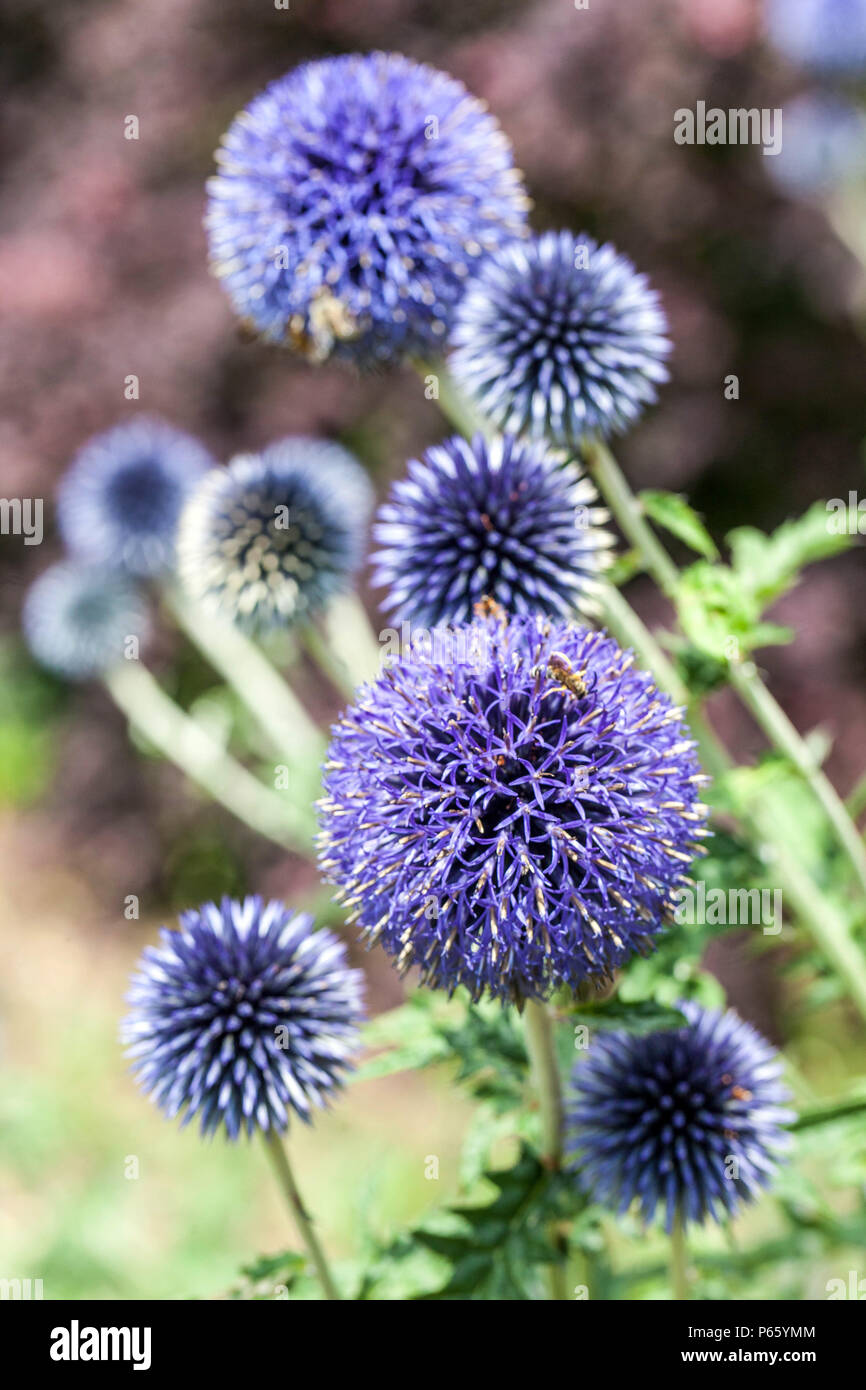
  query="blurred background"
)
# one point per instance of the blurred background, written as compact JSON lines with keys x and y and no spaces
{"x":103,"y":274}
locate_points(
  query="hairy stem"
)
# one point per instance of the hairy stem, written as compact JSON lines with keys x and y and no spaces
{"x":246,"y":669}
{"x":627,"y":509}
{"x":823,"y":921}
{"x":679,"y":1260}
{"x":545,"y":1074}
{"x":181,"y":740}
{"x":286,"y":1178}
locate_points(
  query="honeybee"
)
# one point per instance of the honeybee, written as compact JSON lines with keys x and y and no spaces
{"x":487,"y":607}
{"x":559,"y":668}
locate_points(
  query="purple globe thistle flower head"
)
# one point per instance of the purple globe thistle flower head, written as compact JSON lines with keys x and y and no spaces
{"x":502,"y":519}
{"x":242,"y":1016}
{"x":687,"y":1120}
{"x":824,"y":145}
{"x":120,"y":500}
{"x":354,"y":196}
{"x":824,"y":36}
{"x":558,"y":338}
{"x":510,"y":807}
{"x":274,"y":536}
{"x":78,"y":620}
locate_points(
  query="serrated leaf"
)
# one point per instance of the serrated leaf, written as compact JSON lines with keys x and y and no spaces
{"x":645,"y":1016}
{"x":671,"y":511}
{"x":769,"y":565}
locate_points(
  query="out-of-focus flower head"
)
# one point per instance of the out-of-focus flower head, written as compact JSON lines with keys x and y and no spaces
{"x":78,"y":619}
{"x":120,"y":500}
{"x":825,"y":36}
{"x":274,"y":536}
{"x":355,"y":196}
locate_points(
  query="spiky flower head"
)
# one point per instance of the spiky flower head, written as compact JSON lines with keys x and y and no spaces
{"x":242,"y":1016}
{"x":510,"y":807}
{"x":822,"y":35}
{"x":687,"y":1120}
{"x":559,"y":337}
{"x":502,"y":519}
{"x":120,"y":500}
{"x":78,"y":620}
{"x":355,"y":196}
{"x":274,"y":536}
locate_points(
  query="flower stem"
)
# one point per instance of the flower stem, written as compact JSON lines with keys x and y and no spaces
{"x":246,"y":669}
{"x":772,"y":719}
{"x":545,"y":1073}
{"x":679,"y":1260}
{"x":821,"y":918}
{"x":781,"y":732}
{"x":191,"y":748}
{"x":286,"y":1179}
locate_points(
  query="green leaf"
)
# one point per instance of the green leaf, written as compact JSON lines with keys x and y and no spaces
{"x":638,"y":1019}
{"x":769,"y":566}
{"x":671,"y":511}
{"x":403,"y":1039}
{"x":494,"y":1249}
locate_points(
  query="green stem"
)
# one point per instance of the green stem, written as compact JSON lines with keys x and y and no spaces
{"x":351,"y":638}
{"x":246,"y":669}
{"x":545,"y":1073}
{"x":781,"y":732}
{"x":679,"y":1260}
{"x":856,"y":802}
{"x":772,"y":719}
{"x":286,"y":1178}
{"x":180,"y":740}
{"x":623,"y":623}
{"x":826,"y":925}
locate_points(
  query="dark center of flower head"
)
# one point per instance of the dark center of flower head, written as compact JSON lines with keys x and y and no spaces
{"x":279,"y":545}
{"x":143,"y":496}
{"x":537,"y":792}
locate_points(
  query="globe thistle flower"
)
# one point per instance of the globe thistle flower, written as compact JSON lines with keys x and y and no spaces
{"x":504,"y":519}
{"x":558,"y":338}
{"x":510,"y":807}
{"x":120,"y":501}
{"x":824,"y":145}
{"x":78,"y":620}
{"x":242,"y":1016}
{"x":688,"y":1120}
{"x":354,"y":196}
{"x":821,"y":35}
{"x":274,"y":536}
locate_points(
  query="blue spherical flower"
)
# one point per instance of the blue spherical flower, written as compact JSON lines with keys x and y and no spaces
{"x":78,"y":620}
{"x":560,"y":337}
{"x":824,"y":145}
{"x":505,"y":520}
{"x":354,"y":196}
{"x":511,"y":807}
{"x":243,"y":1015}
{"x":274,"y":536}
{"x":120,"y":501}
{"x":688,"y":1120}
{"x":822,"y":35}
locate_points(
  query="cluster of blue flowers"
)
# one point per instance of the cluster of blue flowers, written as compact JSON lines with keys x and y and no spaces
{"x":512,"y":805}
